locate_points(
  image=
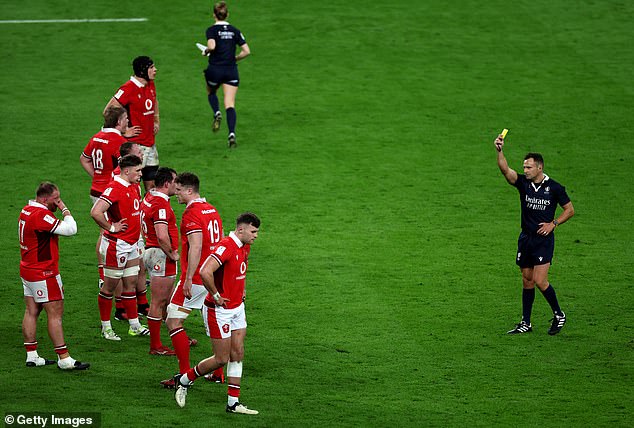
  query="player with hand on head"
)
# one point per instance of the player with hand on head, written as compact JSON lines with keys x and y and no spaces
{"x":222,"y":39}
{"x":38,"y":231}
{"x":138,"y":97}
{"x":201,"y":230}
{"x":224,"y":276}
{"x":539,"y":197}
{"x":119,"y":244}
{"x":161,"y":251}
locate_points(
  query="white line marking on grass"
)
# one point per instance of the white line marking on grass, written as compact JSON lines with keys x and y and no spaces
{"x":69,"y":21}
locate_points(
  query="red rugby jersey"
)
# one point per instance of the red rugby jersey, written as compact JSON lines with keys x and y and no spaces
{"x":230,"y":278}
{"x":156,"y":209}
{"x":199,"y":216}
{"x":140,"y":102}
{"x":38,"y":244}
{"x":103,"y":151}
{"x":125,"y":202}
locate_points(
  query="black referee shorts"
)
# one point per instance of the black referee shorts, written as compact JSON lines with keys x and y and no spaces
{"x":216,"y":75}
{"x":534,"y":250}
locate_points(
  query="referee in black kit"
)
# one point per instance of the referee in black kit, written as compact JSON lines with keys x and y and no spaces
{"x":539,"y":196}
{"x":222,"y":40}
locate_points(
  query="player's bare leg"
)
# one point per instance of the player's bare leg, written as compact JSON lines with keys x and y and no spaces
{"x":128,"y":294}
{"x":162,"y":288}
{"x":141,"y":290}
{"x":29,"y":332}
{"x":234,"y":374}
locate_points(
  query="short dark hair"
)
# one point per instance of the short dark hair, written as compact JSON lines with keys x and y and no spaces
{"x":220,"y":10}
{"x":129,"y":160}
{"x":112,"y":115}
{"x":163,"y":175}
{"x":248,"y":218}
{"x":141,"y":65}
{"x":188,"y":179}
{"x":46,"y":188}
{"x":538,"y":158}
{"x":126,"y":148}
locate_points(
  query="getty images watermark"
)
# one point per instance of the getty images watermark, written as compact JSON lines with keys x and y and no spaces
{"x":52,"y":419}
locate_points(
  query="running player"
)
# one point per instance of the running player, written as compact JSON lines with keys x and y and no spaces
{"x":222,"y":39}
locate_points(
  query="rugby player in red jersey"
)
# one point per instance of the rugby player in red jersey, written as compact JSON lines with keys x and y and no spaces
{"x":38,"y":231}
{"x":224,"y":277}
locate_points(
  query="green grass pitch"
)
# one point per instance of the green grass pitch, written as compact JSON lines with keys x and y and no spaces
{"x":383,"y":281}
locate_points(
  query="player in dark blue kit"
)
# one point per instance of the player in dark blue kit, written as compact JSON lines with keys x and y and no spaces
{"x":222,"y":39}
{"x":539,"y":197}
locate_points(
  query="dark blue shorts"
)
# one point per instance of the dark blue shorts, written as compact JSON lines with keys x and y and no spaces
{"x":217,"y":75}
{"x":534,"y":250}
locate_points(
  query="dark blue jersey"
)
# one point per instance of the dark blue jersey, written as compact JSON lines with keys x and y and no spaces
{"x":539,"y":201}
{"x":227,"y":37}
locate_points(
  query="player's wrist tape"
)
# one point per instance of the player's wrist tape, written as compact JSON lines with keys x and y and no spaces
{"x":111,"y":230}
{"x":216,"y":296}
{"x":65,"y":210}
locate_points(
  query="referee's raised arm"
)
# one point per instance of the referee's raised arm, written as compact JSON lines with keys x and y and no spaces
{"x":507,"y":172}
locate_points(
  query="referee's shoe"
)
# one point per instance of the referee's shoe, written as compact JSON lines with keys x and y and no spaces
{"x":558,"y":324}
{"x":521,"y":328}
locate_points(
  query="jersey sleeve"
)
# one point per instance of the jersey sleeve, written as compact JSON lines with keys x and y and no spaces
{"x":191,"y":224}
{"x":239,"y":37}
{"x":562,"y":195}
{"x":222,"y":253}
{"x":521,"y":180}
{"x":210,"y":33}
{"x":46,"y":222}
{"x":163,"y":215}
{"x":87,"y":152}
{"x":123,"y":95}
{"x":109,"y":195}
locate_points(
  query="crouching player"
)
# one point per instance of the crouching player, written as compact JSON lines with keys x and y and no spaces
{"x":224,"y":275}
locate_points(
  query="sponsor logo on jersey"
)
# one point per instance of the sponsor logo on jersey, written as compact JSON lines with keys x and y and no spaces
{"x":162,"y":213}
{"x":49,"y":219}
{"x":208,"y":211}
{"x":220,"y":250}
{"x":118,"y":94}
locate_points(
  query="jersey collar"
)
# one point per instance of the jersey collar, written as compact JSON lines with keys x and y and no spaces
{"x":136,"y":81}
{"x":233,"y":236}
{"x":536,"y":187}
{"x":195,"y":201}
{"x":33,"y":203}
{"x":120,"y":180}
{"x":222,"y":23}
{"x":116,"y":131}
{"x":159,"y":194}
